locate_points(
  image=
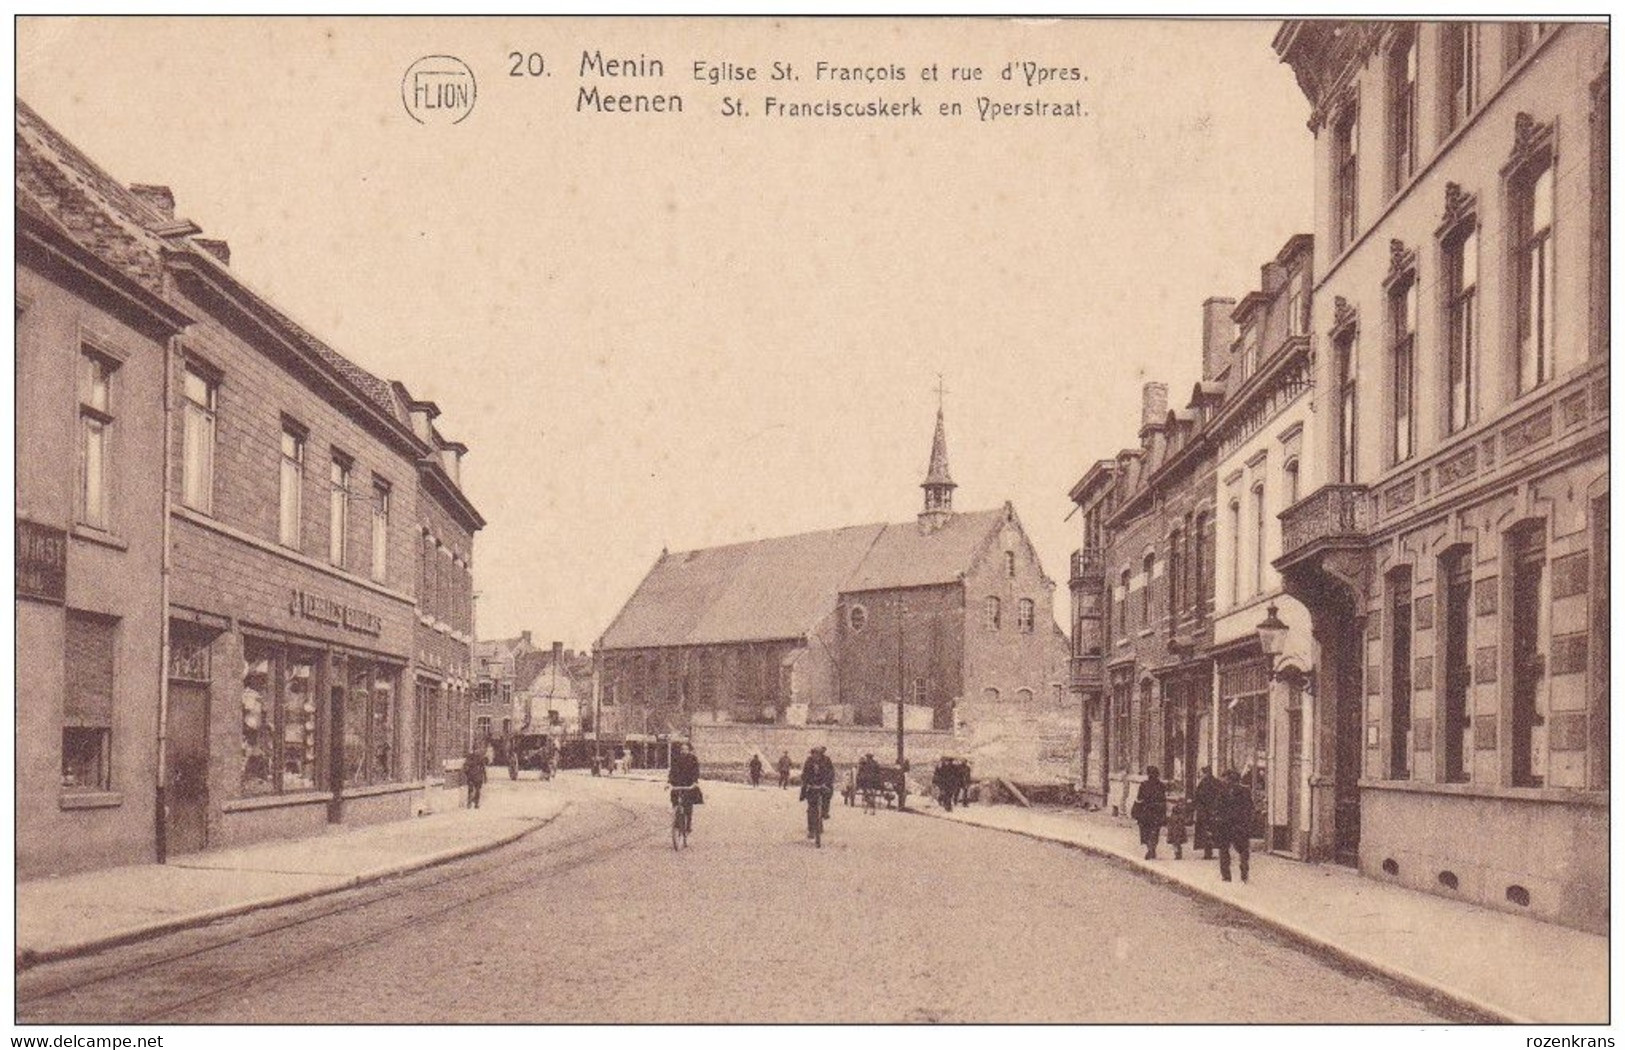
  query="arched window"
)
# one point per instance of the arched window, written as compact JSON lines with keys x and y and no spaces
{"x":1024,"y":616}
{"x":990,"y":695}
{"x":992,"y":615}
{"x":1024,"y":696}
{"x":857,"y":618}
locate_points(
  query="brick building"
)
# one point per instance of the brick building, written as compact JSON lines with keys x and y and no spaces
{"x":950,"y":614}
{"x":286,"y":502}
{"x":92,"y":332}
{"x":1455,"y":565}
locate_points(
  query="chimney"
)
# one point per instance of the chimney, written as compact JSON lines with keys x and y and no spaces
{"x":524,"y":636}
{"x":1153,"y":405}
{"x":558,"y":653}
{"x":158,"y":198}
{"x":1218,"y":333}
{"x":219,"y":249}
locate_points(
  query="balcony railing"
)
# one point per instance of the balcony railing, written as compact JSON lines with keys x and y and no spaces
{"x":1089,"y":563}
{"x":1332,"y":513}
{"x":1087,"y":673}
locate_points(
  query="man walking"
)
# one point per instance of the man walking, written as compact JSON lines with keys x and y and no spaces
{"x":474,"y":773}
{"x":1233,"y":823}
{"x":1205,"y":800}
{"x":784,"y":770}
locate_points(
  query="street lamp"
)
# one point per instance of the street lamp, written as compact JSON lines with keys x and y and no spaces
{"x":1272,"y":634}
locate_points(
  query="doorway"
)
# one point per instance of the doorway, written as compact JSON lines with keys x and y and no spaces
{"x":186,"y":756}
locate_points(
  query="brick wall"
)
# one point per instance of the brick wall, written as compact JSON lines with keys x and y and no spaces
{"x":923,"y":627}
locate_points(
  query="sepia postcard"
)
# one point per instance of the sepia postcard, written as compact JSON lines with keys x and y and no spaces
{"x":785,"y":520}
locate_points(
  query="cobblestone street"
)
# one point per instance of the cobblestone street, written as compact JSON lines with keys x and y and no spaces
{"x":595,"y":918}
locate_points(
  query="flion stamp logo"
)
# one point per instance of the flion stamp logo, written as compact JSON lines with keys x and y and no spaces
{"x":438,"y":89}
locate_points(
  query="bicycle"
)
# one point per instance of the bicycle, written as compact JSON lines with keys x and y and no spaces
{"x":815,"y":812}
{"x":682,"y":816}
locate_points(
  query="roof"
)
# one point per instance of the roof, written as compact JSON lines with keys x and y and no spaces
{"x":780,"y":588}
{"x":904,"y":556}
{"x":937,"y":473}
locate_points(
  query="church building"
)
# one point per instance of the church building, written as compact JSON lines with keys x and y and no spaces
{"x":951,"y":614}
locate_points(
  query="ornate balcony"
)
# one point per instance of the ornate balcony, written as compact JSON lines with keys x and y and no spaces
{"x":1332,"y":517}
{"x":1088,"y":567}
{"x":1087,"y":674}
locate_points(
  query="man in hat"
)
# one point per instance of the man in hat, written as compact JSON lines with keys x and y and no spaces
{"x":817,"y":783}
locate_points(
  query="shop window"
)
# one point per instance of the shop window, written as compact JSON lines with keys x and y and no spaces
{"x":1399,"y":674}
{"x":1024,"y":616}
{"x":197,"y":439}
{"x":87,"y":716}
{"x":95,"y":437}
{"x":279,"y":720}
{"x":290,"y":504}
{"x":370,"y":724}
{"x":1142,"y":725}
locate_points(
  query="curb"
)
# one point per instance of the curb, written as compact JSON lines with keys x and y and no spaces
{"x":1461,"y":1000}
{"x":28,"y":958}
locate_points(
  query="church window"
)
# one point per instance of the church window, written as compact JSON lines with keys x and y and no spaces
{"x":992,"y":616}
{"x":857,"y":618}
{"x":1024,"y":696}
{"x":1010,"y":564}
{"x":1024,"y":616}
{"x":990,"y":695}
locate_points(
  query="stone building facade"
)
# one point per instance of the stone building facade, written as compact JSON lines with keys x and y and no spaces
{"x":946,"y":621}
{"x":284,"y":486}
{"x":1455,"y":565}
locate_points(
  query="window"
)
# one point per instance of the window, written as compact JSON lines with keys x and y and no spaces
{"x":1122,"y":605}
{"x":1289,"y":479}
{"x":1142,"y":725}
{"x":1145,"y":596}
{"x":95,"y":437}
{"x":197,"y":440}
{"x":990,"y":695}
{"x":1121,"y":698}
{"x":1402,"y":312}
{"x":1024,"y":616}
{"x":1402,"y":111}
{"x":1024,"y":696}
{"x":921,"y":697}
{"x":279,"y":744}
{"x":380,"y":530}
{"x":1235,"y":552}
{"x":991,"y":613}
{"x":1460,"y":72}
{"x":1530,"y":601}
{"x":369,"y":724}
{"x":1521,"y":38}
{"x":87,"y":708}
{"x":1176,"y":562}
{"x":1532,"y":211}
{"x":290,"y":508}
{"x":1010,"y":564}
{"x":1346,"y":178}
{"x":1347,"y":406}
{"x":1249,"y":352}
{"x":1258,"y":538}
{"x":1199,"y":588}
{"x":338,"y":507}
{"x":1297,"y":304}
{"x":482,"y":727}
{"x":1399,"y":675}
{"x":1456,"y":576}
{"x":857,"y":618}
{"x":1461,"y":265}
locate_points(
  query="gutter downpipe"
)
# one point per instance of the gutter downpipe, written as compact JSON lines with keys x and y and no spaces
{"x":161,"y":799}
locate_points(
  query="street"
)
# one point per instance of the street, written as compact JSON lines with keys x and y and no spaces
{"x":594,"y":917}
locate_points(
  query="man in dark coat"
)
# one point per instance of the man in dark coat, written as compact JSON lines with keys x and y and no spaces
{"x":474,"y":773}
{"x":1232,"y":825}
{"x":817,"y":774}
{"x":784,"y":770}
{"x":1151,"y":809}
{"x":1205,"y":798}
{"x":755,"y":770}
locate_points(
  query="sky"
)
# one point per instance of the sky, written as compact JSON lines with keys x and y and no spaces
{"x":679,"y":330}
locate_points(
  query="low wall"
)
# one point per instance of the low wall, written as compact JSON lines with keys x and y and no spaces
{"x":730,"y":746}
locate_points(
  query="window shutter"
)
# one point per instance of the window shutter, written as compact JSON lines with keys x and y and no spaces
{"x":89,"y":699}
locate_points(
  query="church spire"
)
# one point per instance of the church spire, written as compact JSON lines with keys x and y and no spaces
{"x":938,"y":484}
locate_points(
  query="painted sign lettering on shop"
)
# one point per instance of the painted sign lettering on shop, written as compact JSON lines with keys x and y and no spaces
{"x":309,"y":606}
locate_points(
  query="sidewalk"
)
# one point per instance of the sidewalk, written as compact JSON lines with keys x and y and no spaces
{"x":74,"y":914}
{"x":1506,"y":966}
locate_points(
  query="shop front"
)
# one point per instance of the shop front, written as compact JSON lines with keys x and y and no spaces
{"x":1244,"y":726}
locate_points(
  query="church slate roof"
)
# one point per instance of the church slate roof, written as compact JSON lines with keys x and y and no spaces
{"x":780,"y":588}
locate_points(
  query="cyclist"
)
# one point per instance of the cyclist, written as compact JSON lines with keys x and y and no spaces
{"x":683,"y":775}
{"x":817,"y":785}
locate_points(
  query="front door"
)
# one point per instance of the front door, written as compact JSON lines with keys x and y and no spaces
{"x":186,"y":758}
{"x":1294,"y":766}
